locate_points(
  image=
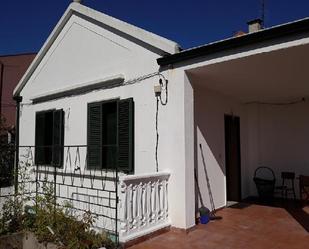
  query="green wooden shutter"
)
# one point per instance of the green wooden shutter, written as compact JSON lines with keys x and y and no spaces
{"x":94,"y":135}
{"x":39,"y":138}
{"x":58,"y":138}
{"x":126,"y":135}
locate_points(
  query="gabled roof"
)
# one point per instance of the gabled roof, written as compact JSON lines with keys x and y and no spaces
{"x":277,"y":32}
{"x":156,"y":43}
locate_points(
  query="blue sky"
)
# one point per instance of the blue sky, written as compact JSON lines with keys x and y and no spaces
{"x":25,"y":24}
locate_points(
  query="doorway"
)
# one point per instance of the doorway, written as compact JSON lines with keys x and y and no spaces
{"x":232,"y":158}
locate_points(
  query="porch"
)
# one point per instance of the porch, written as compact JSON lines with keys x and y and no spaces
{"x":249,"y":111}
{"x":252,"y":226}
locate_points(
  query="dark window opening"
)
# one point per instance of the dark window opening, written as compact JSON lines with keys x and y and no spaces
{"x":110,"y":135}
{"x":109,"y":132}
{"x":49,"y":138}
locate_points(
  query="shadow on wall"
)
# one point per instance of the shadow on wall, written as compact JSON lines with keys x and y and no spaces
{"x":209,"y":133}
{"x":206,"y":163}
{"x":210,"y":108}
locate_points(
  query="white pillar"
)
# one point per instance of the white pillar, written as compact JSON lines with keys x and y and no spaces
{"x":179,"y":149}
{"x":189,"y":152}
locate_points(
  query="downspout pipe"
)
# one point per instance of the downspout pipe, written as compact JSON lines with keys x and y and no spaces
{"x":18,"y":99}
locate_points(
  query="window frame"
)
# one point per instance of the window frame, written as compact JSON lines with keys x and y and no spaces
{"x":102,"y":102}
{"x":102,"y":167}
{"x":51,"y":164}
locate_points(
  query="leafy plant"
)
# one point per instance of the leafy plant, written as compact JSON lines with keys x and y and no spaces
{"x":63,"y":226}
{"x":13,"y":215}
{"x":49,"y":221}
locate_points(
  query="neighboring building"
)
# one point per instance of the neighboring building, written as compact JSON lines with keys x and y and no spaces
{"x":224,"y":109}
{"x":12,"y":68}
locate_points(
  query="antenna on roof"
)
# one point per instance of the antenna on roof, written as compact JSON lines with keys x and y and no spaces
{"x":263,"y":12}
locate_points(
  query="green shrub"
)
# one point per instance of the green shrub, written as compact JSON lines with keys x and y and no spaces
{"x":51,"y":222}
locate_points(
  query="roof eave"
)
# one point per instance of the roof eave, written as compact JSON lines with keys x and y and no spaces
{"x":297,"y":27}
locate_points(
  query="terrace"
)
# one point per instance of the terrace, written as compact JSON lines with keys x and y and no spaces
{"x":242,"y":226}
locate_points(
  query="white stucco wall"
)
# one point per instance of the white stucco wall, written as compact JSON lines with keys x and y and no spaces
{"x":209,"y":110}
{"x":84,"y":52}
{"x":189,"y":151}
{"x":272,"y":136}
{"x":281,"y":142}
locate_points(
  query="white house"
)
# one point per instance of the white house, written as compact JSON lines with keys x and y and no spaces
{"x":119,"y":96}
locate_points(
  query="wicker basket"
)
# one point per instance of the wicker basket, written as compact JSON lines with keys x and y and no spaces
{"x":265,"y":187}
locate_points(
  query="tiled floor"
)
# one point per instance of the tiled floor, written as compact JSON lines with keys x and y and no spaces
{"x":248,"y":227}
{"x":298,"y":210}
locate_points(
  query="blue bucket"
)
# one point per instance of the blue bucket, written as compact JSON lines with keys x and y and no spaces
{"x":204,"y":219}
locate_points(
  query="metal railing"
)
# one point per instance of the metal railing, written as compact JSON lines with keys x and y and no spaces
{"x":143,"y":199}
{"x":86,"y":189}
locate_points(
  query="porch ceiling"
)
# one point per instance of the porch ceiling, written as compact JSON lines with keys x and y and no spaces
{"x":281,"y":75}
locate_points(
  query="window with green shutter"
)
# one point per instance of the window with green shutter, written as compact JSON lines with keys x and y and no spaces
{"x":110,"y":135}
{"x":49,"y":137}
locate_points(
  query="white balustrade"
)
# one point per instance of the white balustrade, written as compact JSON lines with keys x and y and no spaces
{"x":143,"y":204}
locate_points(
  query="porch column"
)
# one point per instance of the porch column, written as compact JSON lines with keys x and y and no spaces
{"x":181,"y":146}
{"x":189,"y":151}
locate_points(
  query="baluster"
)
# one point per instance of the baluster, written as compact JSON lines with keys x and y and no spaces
{"x":143,"y":203}
{"x":148,"y":220}
{"x":140,"y":205}
{"x":166,"y":199}
{"x":157,"y":200}
{"x":146,"y":208}
{"x":163,"y":199}
{"x":160,"y":204}
{"x":134,"y":206}
{"x":124,"y":191}
{"x":130,"y":206}
{"x":153,"y":197}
